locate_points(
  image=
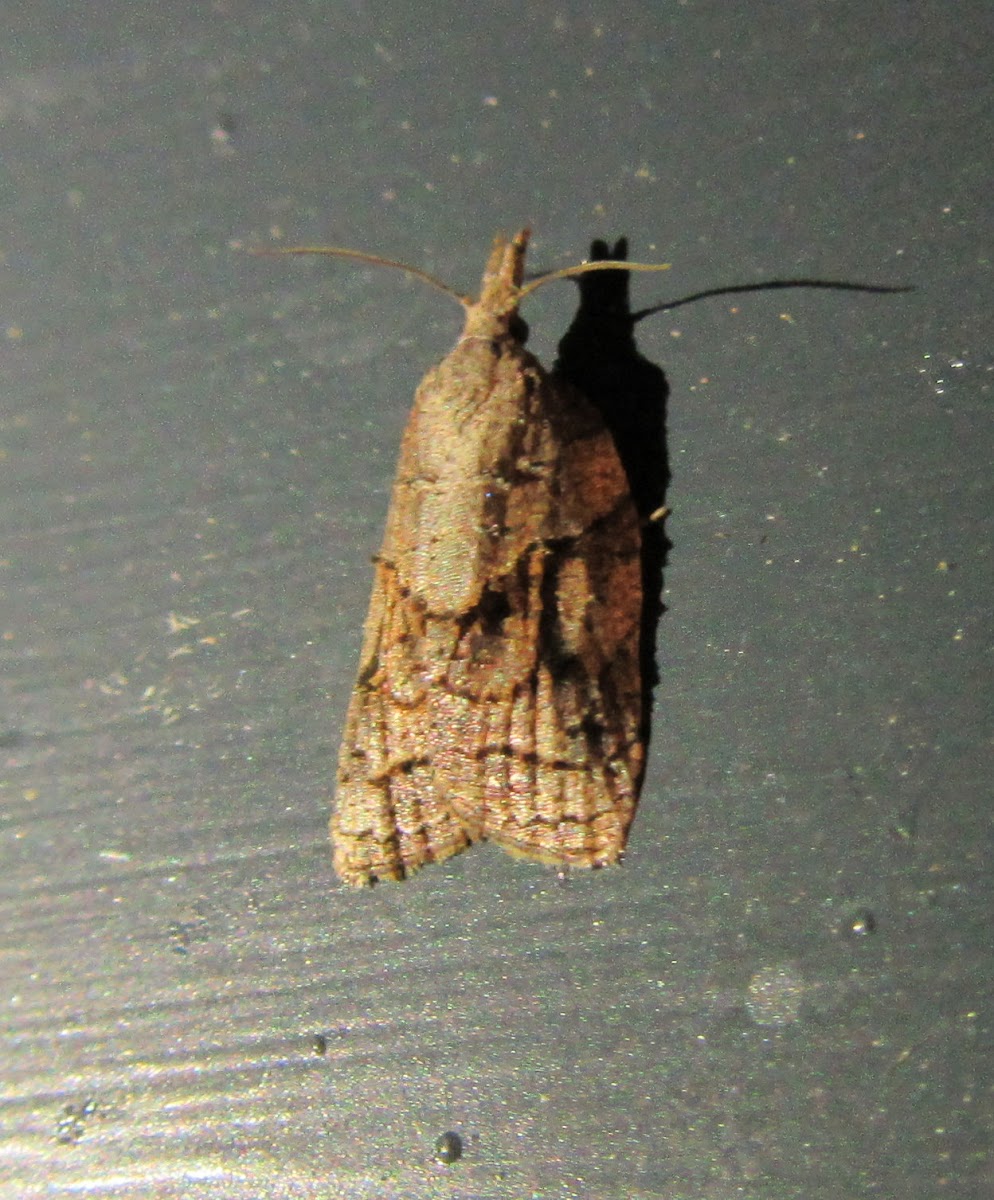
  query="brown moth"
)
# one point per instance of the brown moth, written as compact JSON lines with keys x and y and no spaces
{"x":499,"y":692}
{"x":500,"y":686}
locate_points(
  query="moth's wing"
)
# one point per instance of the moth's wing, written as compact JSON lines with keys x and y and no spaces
{"x":535,"y":736}
{"x":387,"y":820}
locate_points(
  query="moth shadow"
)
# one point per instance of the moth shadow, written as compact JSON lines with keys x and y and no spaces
{"x":598,"y":355}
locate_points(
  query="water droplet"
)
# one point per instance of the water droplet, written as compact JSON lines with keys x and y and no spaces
{"x":448,"y":1148}
{"x":861,"y":923}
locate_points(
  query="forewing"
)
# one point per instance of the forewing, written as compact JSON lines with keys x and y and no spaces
{"x":535,"y":731}
{"x":387,"y":820}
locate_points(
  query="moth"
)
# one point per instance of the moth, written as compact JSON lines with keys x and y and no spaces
{"x":500,"y":689}
{"x":499,"y":693}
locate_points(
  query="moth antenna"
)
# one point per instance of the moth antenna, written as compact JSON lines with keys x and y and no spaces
{"x":375,"y":260}
{"x":607,"y":264}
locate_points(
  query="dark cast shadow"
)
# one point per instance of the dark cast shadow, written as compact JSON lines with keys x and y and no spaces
{"x":598,"y":355}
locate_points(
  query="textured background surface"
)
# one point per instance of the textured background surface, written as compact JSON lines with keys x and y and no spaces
{"x":196,"y":452}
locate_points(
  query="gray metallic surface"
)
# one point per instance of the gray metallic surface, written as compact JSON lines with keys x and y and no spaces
{"x":197,"y":448}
